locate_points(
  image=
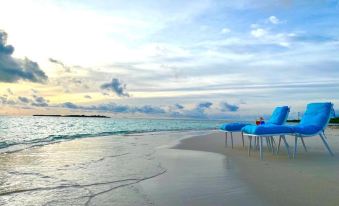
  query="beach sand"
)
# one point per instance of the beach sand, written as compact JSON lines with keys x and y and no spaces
{"x":197,"y":178}
{"x":164,"y":169}
{"x":310,"y":179}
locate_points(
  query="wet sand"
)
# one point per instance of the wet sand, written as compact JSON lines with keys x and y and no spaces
{"x":310,"y":179}
{"x":90,"y":171}
{"x":139,"y":169}
{"x":198,"y":178}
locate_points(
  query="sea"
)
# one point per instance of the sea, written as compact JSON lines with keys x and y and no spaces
{"x":18,"y":133}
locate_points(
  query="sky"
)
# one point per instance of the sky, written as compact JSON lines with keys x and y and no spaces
{"x":208,"y":59}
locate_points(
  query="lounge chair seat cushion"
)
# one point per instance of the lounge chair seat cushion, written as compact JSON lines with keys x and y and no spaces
{"x":306,"y":129}
{"x":267,"y":129}
{"x":233,"y":127}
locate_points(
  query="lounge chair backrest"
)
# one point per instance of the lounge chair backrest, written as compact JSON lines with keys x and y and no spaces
{"x":317,"y":114}
{"x":279,"y":115}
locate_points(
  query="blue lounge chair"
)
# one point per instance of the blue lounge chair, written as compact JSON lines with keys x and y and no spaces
{"x":314,"y":122}
{"x":278,"y":117}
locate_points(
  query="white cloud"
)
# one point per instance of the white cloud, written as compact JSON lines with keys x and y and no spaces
{"x":258,"y":32}
{"x":274,"y":20}
{"x":225,"y":30}
{"x":266,"y":36}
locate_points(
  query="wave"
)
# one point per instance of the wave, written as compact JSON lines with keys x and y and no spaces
{"x":5,"y":145}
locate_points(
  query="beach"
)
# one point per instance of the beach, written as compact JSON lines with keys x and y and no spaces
{"x":168,"y":168}
{"x":126,"y":103}
{"x":310,"y":179}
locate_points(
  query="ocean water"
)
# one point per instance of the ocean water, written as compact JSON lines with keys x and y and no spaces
{"x":21,"y":132}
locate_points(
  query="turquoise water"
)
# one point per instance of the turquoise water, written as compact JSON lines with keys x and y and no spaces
{"x":20,"y":132}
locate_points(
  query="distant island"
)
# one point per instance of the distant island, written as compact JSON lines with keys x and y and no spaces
{"x":334,"y":120}
{"x":72,"y":115}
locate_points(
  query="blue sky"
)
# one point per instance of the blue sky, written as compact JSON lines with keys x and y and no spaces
{"x":187,"y":59}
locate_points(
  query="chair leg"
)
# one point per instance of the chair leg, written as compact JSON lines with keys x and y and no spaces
{"x":225,"y":139}
{"x":323,"y":138}
{"x":255,"y":143}
{"x":260,"y":148}
{"x":272,"y":143}
{"x":250,"y":146}
{"x":295,"y":146}
{"x":232,"y":140}
{"x":278,"y":148}
{"x":302,"y":141}
{"x":286,"y":145}
{"x":268,"y":144}
{"x":243,"y":142}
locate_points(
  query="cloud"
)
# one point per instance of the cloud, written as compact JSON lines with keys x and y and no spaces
{"x":70,"y":105}
{"x":274,"y":20}
{"x":258,"y":32}
{"x":197,"y":112}
{"x":39,"y":101}
{"x":229,"y":107}
{"x":225,"y":30}
{"x":179,"y":106}
{"x":148,"y":109}
{"x":10,"y":91}
{"x":204,"y":105}
{"x":5,"y":100}
{"x":13,"y":69}
{"x":66,"y":68}
{"x":24,"y":99}
{"x":73,"y":84}
{"x":112,"y":107}
{"x":76,"y":81}
{"x":269,"y":41}
{"x":115,"y":108}
{"x":87,"y":97}
{"x":117,"y":87}
{"x":36,"y":101}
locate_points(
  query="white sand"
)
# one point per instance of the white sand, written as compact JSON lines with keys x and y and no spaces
{"x":310,"y":179}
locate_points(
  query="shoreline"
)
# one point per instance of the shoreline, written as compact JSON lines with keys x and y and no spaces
{"x":169,"y":168}
{"x":94,"y":171}
{"x":311,"y":179}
